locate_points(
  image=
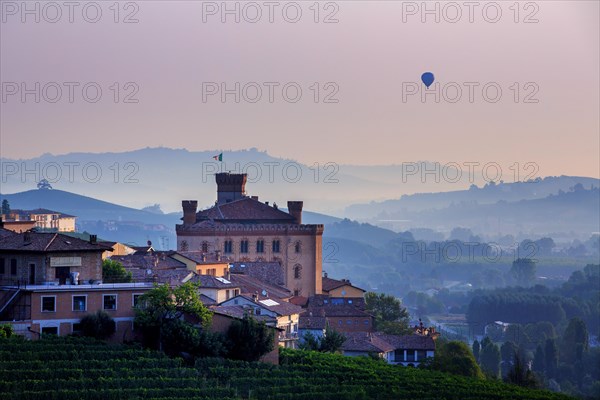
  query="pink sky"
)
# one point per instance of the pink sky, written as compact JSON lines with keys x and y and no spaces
{"x":368,"y":54}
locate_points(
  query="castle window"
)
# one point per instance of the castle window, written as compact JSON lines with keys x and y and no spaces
{"x":205,"y":247}
{"x":276,"y":245}
{"x":297,"y":247}
{"x":260,"y":246}
{"x":228,"y":247}
{"x":244,"y":246}
{"x":184,"y":245}
{"x":297,"y":272}
{"x":296,"y":292}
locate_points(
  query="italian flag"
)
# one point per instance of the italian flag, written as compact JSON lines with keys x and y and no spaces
{"x":219,"y":157}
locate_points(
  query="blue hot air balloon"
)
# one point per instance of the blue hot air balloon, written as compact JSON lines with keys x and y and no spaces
{"x":427,"y":78}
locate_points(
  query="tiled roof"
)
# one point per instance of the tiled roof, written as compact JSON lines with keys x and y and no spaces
{"x":250,"y":285}
{"x":5,"y":232}
{"x":48,"y":242}
{"x":341,"y":310}
{"x":148,"y":261}
{"x":212,"y":282}
{"x":207,"y":301}
{"x":408,"y":342}
{"x":273,"y":304}
{"x":269,"y":272}
{"x":41,"y":211}
{"x":323,"y":300}
{"x":239,"y":312}
{"x":311,"y":322}
{"x":299,"y":301}
{"x":245,"y":209}
{"x":203,"y":258}
{"x":330,"y":284}
{"x":365,"y":342}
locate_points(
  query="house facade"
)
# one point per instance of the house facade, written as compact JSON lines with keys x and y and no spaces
{"x":50,"y":281}
{"x":406,"y":350}
{"x":243,"y":229}
{"x":285,"y":315}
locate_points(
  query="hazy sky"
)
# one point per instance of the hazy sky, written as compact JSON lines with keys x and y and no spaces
{"x":367,"y":61}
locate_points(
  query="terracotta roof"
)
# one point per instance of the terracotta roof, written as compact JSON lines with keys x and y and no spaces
{"x":273,"y":304}
{"x":250,"y":285}
{"x":408,"y":342}
{"x":299,"y":301}
{"x":341,"y":310}
{"x":5,"y":232}
{"x":236,"y":311}
{"x":207,"y":301}
{"x":330,"y":284}
{"x":244,"y":209}
{"x":212,"y":282}
{"x":269,"y":272}
{"x":365,"y":342}
{"x":311,"y":322}
{"x":324,"y":300}
{"x":148,"y":261}
{"x":40,"y":211}
{"x":48,"y":242}
{"x":203,"y":258}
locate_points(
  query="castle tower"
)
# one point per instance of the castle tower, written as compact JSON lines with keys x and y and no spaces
{"x":230,"y":187}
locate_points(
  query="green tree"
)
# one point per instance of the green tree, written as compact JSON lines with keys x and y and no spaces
{"x":476,"y":348}
{"x":575,"y":341}
{"x":489,"y":359}
{"x":160,"y":310}
{"x":99,"y":325}
{"x":390,"y":316}
{"x":331,"y":341}
{"x":551,"y":357}
{"x":523,"y":271}
{"x":5,"y":207}
{"x":114,"y":272}
{"x":249,"y":339}
{"x":539,"y":361}
{"x":520,"y":375}
{"x":6,"y":331}
{"x":456,"y":358}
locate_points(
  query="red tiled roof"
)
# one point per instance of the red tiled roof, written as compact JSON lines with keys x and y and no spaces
{"x":5,"y":232}
{"x":381,"y":342}
{"x":243,"y":210}
{"x":250,"y":285}
{"x":48,"y":242}
{"x":330,"y":284}
{"x":268,"y":272}
{"x":365,"y":342}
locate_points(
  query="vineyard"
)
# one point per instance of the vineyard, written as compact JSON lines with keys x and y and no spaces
{"x":70,"y":368}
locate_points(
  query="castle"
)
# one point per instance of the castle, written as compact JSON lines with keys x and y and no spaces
{"x":240,"y":228}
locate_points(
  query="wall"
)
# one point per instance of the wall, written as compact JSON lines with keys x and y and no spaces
{"x":350,"y":291}
{"x":309,"y":258}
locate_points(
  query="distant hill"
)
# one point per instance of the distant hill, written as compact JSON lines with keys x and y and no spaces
{"x":487,"y":194}
{"x":84,"y":207}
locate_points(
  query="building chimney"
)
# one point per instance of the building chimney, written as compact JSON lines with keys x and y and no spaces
{"x":324,"y":274}
{"x":295,"y":210}
{"x":189,"y":211}
{"x":230,"y":187}
{"x":93,"y":239}
{"x":218,"y":255}
{"x":255,"y":297}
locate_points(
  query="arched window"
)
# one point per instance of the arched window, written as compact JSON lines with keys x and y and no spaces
{"x":184,"y":245}
{"x":297,"y":247}
{"x":297,"y":271}
{"x":205,"y":247}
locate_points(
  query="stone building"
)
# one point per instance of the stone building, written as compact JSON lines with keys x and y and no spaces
{"x":243,"y":229}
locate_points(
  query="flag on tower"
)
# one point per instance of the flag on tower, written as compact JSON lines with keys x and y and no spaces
{"x":219,"y":157}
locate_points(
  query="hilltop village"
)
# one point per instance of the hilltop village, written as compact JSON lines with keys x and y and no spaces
{"x":246,"y":257}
